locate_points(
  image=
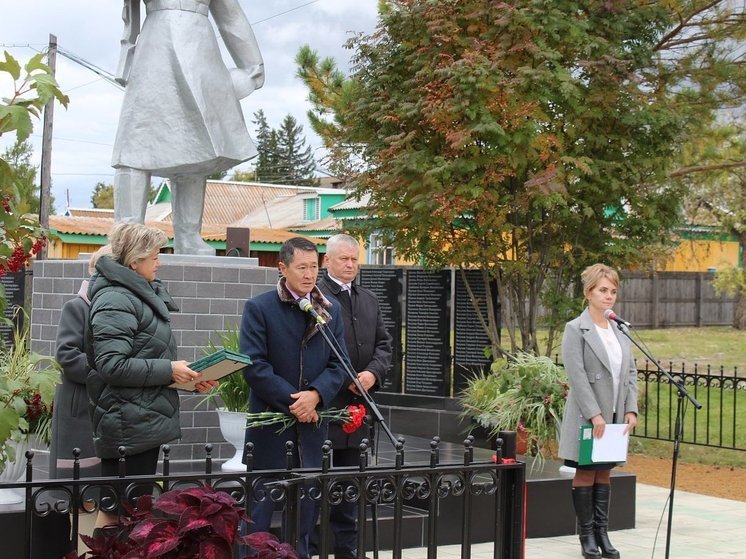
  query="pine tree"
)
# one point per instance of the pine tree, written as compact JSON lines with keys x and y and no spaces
{"x":283,"y":156}
{"x":297,"y":164}
{"x":264,"y":145}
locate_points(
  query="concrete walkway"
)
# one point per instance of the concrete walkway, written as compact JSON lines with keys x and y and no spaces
{"x":703,"y":528}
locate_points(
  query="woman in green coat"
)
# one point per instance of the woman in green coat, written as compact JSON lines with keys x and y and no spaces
{"x":133,"y":355}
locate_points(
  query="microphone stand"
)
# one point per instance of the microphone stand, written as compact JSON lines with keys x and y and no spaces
{"x":347,"y":366}
{"x":681,"y":393}
{"x":353,"y":377}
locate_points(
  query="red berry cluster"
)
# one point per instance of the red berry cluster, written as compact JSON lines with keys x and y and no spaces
{"x":357,"y":415}
{"x":6,"y":204}
{"x":39,"y":244}
{"x":20,"y":258}
{"x":35,"y":408}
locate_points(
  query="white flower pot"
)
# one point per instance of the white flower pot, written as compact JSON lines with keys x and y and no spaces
{"x":233,"y":428}
{"x":14,"y":471}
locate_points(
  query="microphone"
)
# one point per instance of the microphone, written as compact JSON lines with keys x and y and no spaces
{"x":306,"y":306}
{"x":610,"y":315}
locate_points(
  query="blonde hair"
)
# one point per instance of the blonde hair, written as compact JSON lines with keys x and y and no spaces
{"x":131,"y":242}
{"x":102,"y":251}
{"x":592,"y":275}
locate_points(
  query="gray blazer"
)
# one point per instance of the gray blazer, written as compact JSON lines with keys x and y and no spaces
{"x":591,"y":384}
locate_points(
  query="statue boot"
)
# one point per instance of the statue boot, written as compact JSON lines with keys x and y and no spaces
{"x":130,"y":194}
{"x":188,"y":203}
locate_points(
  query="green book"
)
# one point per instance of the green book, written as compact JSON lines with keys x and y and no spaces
{"x":215,"y":366}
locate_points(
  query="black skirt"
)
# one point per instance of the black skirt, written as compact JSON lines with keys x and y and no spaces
{"x":593,"y":467}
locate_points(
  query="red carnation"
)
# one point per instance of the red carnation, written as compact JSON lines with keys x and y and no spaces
{"x":357,"y":415}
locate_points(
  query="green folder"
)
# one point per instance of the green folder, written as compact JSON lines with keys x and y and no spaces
{"x":618,"y":450}
{"x":215,"y":366}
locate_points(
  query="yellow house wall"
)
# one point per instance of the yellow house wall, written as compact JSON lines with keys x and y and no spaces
{"x":699,"y":256}
{"x":69,"y":251}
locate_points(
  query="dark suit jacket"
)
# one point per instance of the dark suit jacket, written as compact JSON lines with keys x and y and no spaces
{"x":272,"y":334}
{"x":368,"y":345}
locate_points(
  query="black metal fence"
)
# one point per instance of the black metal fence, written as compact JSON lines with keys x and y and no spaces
{"x":481,"y":495}
{"x":719,"y":423}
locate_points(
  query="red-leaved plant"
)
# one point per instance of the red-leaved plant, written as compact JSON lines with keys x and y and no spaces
{"x":192,"y":523}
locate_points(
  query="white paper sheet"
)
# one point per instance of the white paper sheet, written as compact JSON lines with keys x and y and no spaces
{"x":612,"y":447}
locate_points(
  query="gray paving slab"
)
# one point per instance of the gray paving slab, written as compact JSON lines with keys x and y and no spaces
{"x":702,"y":527}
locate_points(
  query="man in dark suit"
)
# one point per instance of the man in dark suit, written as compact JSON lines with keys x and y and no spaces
{"x":293,"y":371}
{"x":369,"y":347}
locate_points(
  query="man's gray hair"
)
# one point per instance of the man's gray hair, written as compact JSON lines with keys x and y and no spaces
{"x":335,"y":241}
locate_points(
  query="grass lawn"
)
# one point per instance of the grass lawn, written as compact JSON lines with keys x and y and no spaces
{"x":716,"y":346}
{"x":720,"y":422}
{"x":712,"y":345}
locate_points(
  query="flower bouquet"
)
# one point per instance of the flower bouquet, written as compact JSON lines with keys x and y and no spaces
{"x":351,"y":417}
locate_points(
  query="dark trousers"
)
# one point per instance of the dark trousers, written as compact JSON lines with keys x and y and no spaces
{"x":261,"y":515}
{"x":342,"y":517}
{"x":142,"y":464}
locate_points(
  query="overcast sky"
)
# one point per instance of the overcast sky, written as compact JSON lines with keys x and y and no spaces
{"x":91,"y":29}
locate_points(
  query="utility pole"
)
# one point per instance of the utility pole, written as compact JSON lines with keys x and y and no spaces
{"x":46,"y":148}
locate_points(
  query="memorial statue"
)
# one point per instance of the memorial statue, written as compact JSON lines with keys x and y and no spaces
{"x":181,"y":116}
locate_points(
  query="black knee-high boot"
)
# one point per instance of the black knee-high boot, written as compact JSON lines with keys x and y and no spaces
{"x":601,"y":494}
{"x":582,"y":499}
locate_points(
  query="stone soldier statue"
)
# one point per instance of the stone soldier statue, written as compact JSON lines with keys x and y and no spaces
{"x":181,"y":116}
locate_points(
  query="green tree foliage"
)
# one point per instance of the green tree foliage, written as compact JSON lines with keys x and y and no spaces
{"x":103,"y":195}
{"x":528,"y":139}
{"x":713,"y":173}
{"x":33,"y":86}
{"x":296,"y":160}
{"x":243,"y":176}
{"x":220,"y":175}
{"x":24,"y":187}
{"x":283,"y":156}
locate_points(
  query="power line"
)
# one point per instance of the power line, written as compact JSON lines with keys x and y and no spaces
{"x":108,"y":76}
{"x":285,"y":12}
{"x":109,"y":174}
{"x":78,"y":141}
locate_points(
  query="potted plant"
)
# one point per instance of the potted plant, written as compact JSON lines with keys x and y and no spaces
{"x":189,"y":523}
{"x":27,"y":384}
{"x":233,"y":394}
{"x":523,"y":393}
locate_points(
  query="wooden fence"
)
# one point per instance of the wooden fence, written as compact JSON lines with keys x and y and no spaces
{"x":670,"y":299}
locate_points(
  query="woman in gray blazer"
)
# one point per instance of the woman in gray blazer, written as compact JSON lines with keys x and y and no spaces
{"x":603,"y":389}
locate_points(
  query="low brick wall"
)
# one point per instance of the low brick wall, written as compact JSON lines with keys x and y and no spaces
{"x":210,"y":293}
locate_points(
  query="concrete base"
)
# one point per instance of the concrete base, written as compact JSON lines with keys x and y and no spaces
{"x":549,"y":510}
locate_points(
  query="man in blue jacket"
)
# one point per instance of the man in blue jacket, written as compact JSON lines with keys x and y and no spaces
{"x":293,"y":371}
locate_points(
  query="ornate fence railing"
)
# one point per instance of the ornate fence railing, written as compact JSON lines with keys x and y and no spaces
{"x":463,"y":496}
{"x":720,"y":423}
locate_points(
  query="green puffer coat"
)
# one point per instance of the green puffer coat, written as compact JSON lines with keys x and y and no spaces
{"x":130,"y":348}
